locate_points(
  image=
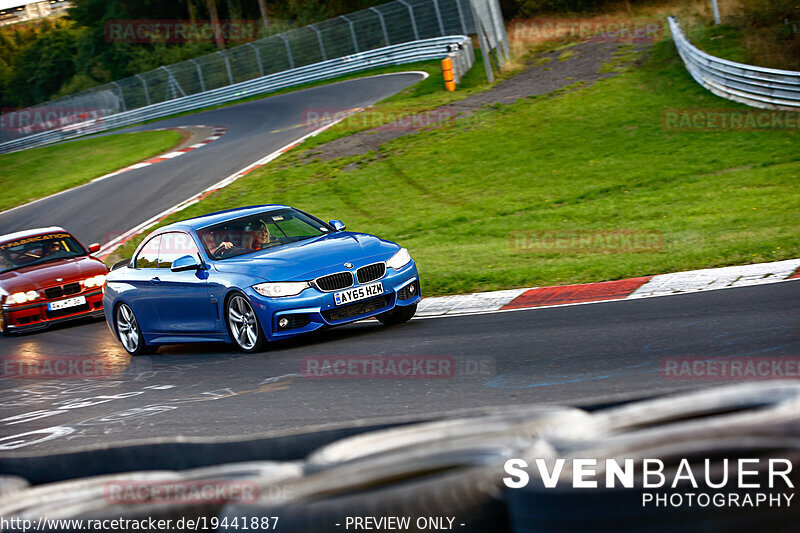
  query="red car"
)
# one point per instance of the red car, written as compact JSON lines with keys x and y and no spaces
{"x":47,"y":276}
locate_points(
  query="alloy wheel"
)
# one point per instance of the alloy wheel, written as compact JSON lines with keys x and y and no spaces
{"x":243,"y":323}
{"x":128,"y":328}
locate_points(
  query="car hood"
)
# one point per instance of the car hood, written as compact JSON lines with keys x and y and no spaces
{"x":38,"y":277}
{"x":312,"y":258}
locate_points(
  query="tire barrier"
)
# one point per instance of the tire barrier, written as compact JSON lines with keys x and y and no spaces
{"x":526,"y":422}
{"x":11,"y":484}
{"x":128,"y":495}
{"x":182,"y":454}
{"x":437,"y":469}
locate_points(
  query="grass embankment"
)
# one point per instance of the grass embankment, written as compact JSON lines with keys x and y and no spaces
{"x":596,"y":158}
{"x":39,"y":172}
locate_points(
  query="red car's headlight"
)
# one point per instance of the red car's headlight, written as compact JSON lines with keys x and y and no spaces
{"x":95,"y":281}
{"x":23,"y":297}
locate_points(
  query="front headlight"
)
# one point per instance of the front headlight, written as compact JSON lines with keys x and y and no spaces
{"x":281,"y":289}
{"x":399,"y":260}
{"x":95,"y":281}
{"x":22,"y":297}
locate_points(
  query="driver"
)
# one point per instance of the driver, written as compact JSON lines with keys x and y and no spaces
{"x":53,"y":248}
{"x":213,"y":248}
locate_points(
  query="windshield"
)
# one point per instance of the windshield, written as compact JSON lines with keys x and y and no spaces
{"x":31,"y":251}
{"x":262,"y":231}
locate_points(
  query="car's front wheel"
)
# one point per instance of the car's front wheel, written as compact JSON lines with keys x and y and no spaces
{"x":243,"y":324}
{"x":130,"y":334}
{"x":398,"y":315}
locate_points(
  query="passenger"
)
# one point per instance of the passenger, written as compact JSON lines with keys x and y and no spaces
{"x":261,"y":237}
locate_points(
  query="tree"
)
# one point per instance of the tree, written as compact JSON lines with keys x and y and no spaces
{"x":212,"y":12}
{"x":262,"y":7}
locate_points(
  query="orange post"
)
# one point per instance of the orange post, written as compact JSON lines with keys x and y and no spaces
{"x":447,"y":70}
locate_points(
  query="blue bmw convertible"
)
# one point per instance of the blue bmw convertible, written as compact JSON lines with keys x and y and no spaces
{"x":253,"y":275}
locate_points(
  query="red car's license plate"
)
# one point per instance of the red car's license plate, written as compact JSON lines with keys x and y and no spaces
{"x":64,"y":304}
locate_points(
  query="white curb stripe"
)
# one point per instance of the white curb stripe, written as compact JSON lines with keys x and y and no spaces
{"x":717,"y":278}
{"x":661,"y":285}
{"x":478,"y":302}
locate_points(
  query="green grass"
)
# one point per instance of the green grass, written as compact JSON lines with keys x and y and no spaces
{"x":595,"y":158}
{"x":36,"y":173}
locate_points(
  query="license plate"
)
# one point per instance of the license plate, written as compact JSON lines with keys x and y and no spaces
{"x":358,"y":293}
{"x":69,"y":302}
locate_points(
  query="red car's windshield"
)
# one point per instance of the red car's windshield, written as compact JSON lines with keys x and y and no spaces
{"x":38,"y":249}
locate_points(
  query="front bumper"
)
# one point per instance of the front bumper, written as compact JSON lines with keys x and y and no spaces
{"x":313,"y":309}
{"x":31,"y":317}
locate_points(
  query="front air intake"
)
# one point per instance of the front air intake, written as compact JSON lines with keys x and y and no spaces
{"x":334,"y":282}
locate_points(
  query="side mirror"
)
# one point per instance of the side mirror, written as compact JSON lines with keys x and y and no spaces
{"x":338,"y":225}
{"x":187,"y":262}
{"x":94,"y":248}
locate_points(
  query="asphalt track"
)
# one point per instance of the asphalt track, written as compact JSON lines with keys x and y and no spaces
{"x":580,"y":355}
{"x":100,"y":211}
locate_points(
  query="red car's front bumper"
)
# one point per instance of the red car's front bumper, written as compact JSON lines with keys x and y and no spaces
{"x":36,"y":316}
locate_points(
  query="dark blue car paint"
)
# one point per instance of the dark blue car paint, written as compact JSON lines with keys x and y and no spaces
{"x":179,"y":307}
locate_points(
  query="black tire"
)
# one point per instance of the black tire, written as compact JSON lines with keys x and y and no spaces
{"x":398,"y":315}
{"x":243,"y":325}
{"x":129,"y":332}
{"x":3,"y":330}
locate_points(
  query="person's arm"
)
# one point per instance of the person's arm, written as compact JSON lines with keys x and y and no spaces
{"x":225,"y":244}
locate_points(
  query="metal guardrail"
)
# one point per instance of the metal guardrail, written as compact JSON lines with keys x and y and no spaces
{"x":457,"y":46}
{"x":463,"y":59}
{"x":761,"y":87}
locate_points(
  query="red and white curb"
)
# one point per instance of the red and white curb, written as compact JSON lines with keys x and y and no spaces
{"x":218,"y":132}
{"x":109,"y":247}
{"x":626,"y":289}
